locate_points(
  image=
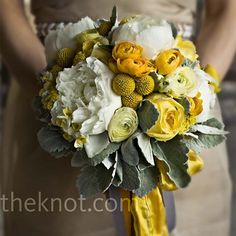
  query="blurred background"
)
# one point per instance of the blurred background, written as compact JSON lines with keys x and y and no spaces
{"x":228,"y":103}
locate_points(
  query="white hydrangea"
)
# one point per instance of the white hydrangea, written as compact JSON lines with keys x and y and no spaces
{"x":85,"y":89}
{"x":153,"y":34}
{"x":64,"y":37}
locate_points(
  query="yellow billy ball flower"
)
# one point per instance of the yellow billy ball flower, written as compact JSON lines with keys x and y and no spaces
{"x":161,"y":117}
{"x":55,"y":70}
{"x":123,"y":85}
{"x":126,"y":50}
{"x":50,"y":99}
{"x":104,"y":28}
{"x":80,"y":56}
{"x":144,"y":85}
{"x":132,"y":100}
{"x":168,"y":61}
{"x":186,"y":47}
{"x":135,"y":67}
{"x":195,"y":163}
{"x":64,"y":57}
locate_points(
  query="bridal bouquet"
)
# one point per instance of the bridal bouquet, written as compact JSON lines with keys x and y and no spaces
{"x":130,"y":101}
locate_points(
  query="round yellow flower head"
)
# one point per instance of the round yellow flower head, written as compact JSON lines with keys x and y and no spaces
{"x":168,"y":61}
{"x":195,"y":163}
{"x":186,"y":47}
{"x":195,"y":105}
{"x":55,"y":70}
{"x":123,"y":124}
{"x":126,"y":50}
{"x":165,"y":117}
{"x":210,"y":70}
{"x":80,"y":56}
{"x":135,"y":67}
{"x":123,"y":85}
{"x":64,"y":57}
{"x":113,"y":66}
{"x":133,"y":100}
{"x":144,"y":85}
{"x":104,"y":28}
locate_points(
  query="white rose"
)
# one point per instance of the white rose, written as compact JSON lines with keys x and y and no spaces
{"x":207,"y":95}
{"x":153,"y":34}
{"x":85,"y":89}
{"x":63,"y":37}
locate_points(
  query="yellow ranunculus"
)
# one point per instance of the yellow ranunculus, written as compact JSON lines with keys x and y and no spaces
{"x":113,"y":66}
{"x":135,"y":67}
{"x":180,"y":83}
{"x":186,"y":47}
{"x":188,"y":122}
{"x":195,"y":163}
{"x":123,"y":124}
{"x":168,"y":61}
{"x":170,"y":119}
{"x":210,"y":70}
{"x":126,"y":50}
{"x":195,"y":105}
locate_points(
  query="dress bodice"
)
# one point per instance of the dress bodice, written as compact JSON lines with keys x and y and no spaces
{"x":181,"y":11}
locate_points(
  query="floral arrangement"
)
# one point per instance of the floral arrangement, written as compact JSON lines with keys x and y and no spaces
{"x":130,"y":101}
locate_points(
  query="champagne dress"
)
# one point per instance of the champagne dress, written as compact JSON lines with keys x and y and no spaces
{"x":28,"y":172}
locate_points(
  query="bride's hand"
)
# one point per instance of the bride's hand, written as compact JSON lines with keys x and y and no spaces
{"x":20,"y":48}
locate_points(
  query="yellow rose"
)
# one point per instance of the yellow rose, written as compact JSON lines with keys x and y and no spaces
{"x":135,"y":67}
{"x":168,"y":61}
{"x":127,"y":50}
{"x":170,"y":117}
{"x":186,"y":47}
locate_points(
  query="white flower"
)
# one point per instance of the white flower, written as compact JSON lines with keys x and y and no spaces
{"x":85,"y":90}
{"x":207,"y":95}
{"x":153,"y":34}
{"x":64,"y":37}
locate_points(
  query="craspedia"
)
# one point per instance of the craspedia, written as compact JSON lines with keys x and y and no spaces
{"x":104,"y":28}
{"x":144,"y":85}
{"x":80,"y":56}
{"x":55,"y":70}
{"x":65,"y":57}
{"x":132,"y":100}
{"x":123,"y":84}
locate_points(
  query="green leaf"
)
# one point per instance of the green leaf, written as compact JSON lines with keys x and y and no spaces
{"x":105,"y":153}
{"x":149,"y":180}
{"x":148,"y":115}
{"x":213,"y":122}
{"x":174,"y":29}
{"x":94,"y":180}
{"x":114,"y":16}
{"x":129,"y":152}
{"x":146,"y":148}
{"x":174,"y":154}
{"x":131,"y":178}
{"x":186,"y":104}
{"x":119,"y":172}
{"x":79,"y":159}
{"x":204,"y":141}
{"x":205,"y":129}
{"x":52,"y":141}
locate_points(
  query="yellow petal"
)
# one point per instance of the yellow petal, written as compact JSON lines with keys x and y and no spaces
{"x":195,"y":163}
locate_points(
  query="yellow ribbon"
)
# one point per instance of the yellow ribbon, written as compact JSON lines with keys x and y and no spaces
{"x":148,"y":214}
